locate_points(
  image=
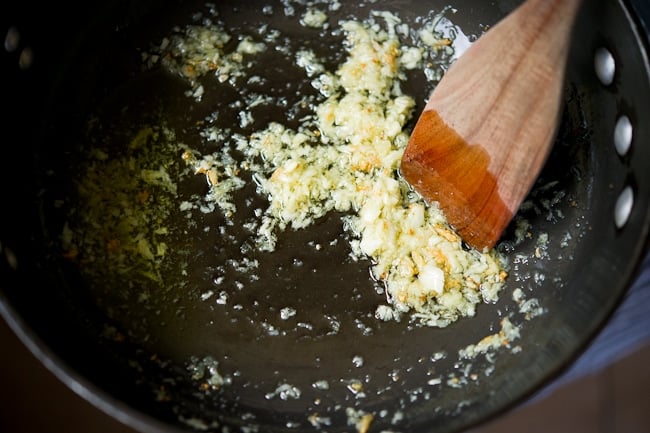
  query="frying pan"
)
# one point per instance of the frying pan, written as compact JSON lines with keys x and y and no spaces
{"x":150,"y":364}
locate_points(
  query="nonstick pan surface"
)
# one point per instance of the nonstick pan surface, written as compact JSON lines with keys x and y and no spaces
{"x":333,"y":367}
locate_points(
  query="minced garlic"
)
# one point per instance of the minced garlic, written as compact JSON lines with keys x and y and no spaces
{"x":121,"y":222}
{"x":345,"y":158}
{"x":504,"y":338}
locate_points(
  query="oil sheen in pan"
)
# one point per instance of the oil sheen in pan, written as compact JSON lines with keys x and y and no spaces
{"x":303,"y":337}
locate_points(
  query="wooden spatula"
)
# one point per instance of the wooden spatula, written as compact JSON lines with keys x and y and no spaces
{"x":490,"y":123}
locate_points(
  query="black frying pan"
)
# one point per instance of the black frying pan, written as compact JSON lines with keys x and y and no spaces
{"x":147,"y":364}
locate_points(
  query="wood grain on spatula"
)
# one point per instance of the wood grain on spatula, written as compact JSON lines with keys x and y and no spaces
{"x":490,"y":123}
